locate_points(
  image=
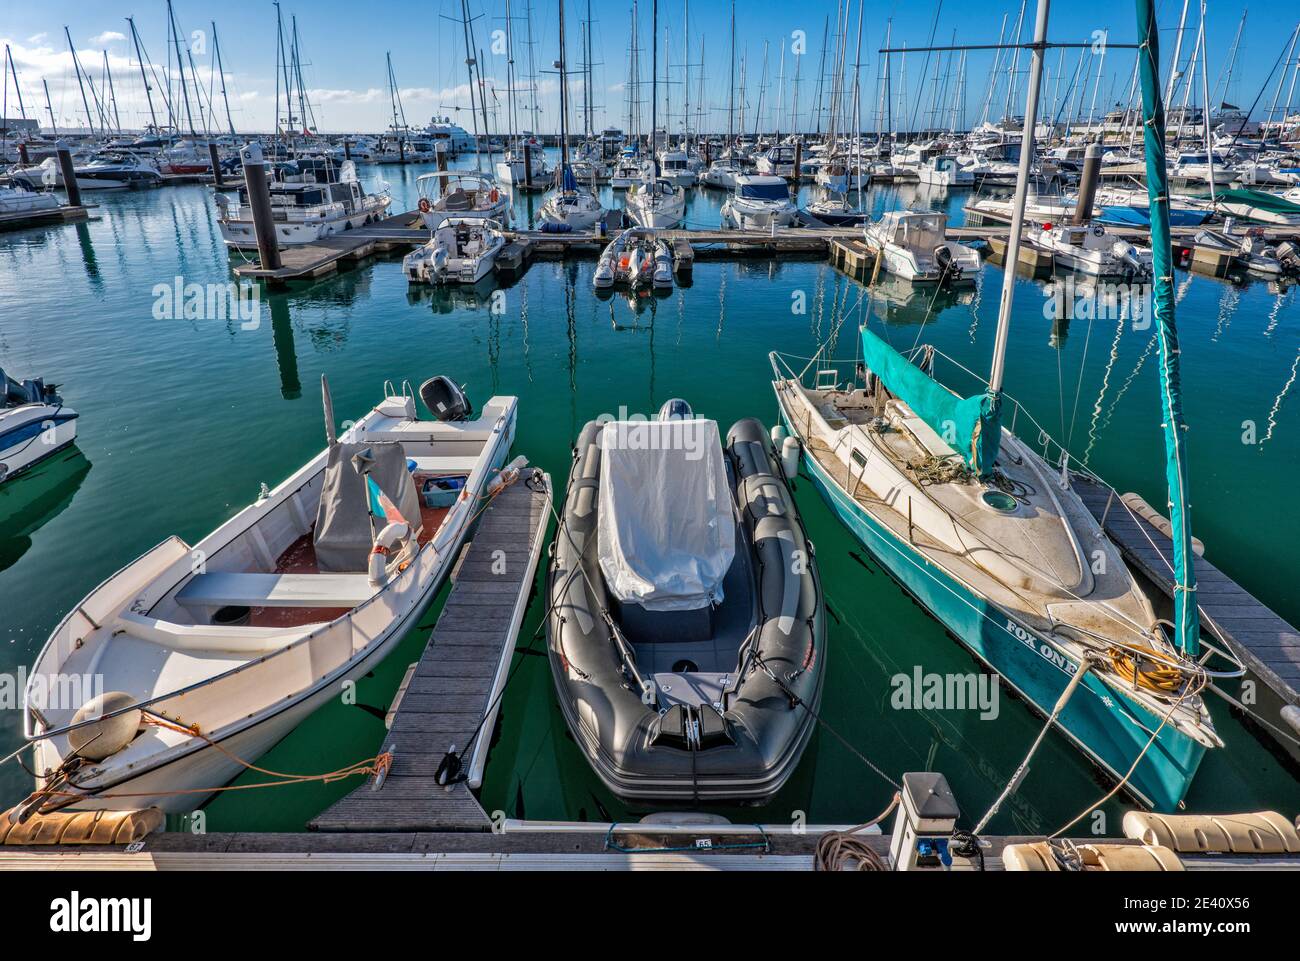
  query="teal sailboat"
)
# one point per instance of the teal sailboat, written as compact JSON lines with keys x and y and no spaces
{"x":990,"y":534}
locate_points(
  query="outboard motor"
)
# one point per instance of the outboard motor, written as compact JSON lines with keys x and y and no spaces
{"x":445,"y":400}
{"x":943,"y":259}
{"x":675,"y":409}
{"x":1288,"y":254}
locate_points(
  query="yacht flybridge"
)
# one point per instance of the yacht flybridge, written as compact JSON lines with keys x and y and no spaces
{"x":205,"y":666}
{"x":991,"y":534}
{"x":310,"y":199}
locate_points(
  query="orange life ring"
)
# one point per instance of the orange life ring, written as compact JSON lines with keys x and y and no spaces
{"x":495,"y":195}
{"x":425,"y":206}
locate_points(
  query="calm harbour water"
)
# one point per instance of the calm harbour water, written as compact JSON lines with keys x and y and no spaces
{"x":182,"y":421}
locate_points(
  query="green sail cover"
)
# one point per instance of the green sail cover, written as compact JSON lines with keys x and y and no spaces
{"x":972,"y":426}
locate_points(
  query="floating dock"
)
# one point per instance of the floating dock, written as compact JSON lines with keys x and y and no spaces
{"x":450,"y":698}
{"x":1265,"y":644}
{"x":62,"y":214}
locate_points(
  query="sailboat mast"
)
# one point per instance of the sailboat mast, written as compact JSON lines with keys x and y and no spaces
{"x":1186,"y":614}
{"x":654,"y":85}
{"x":13,"y":70}
{"x":221,"y":70}
{"x":564,"y":102}
{"x":144,"y":78}
{"x":1018,"y":205}
{"x":731,"y":87}
{"x":180,"y":68}
{"x":54,"y":127}
{"x":90,"y":120}
{"x":686,"y":72}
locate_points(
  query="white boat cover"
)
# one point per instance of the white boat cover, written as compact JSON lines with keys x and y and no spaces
{"x":667,"y":528}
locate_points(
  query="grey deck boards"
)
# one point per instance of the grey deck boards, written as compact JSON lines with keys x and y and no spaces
{"x":451,"y":689}
{"x":1267,"y":644}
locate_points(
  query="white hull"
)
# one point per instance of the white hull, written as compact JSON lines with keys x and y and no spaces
{"x":31,"y":433}
{"x":240,"y":234}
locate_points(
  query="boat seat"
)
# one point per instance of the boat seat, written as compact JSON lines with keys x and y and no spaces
{"x":444,"y":465}
{"x":457,"y":200}
{"x":223,"y":589}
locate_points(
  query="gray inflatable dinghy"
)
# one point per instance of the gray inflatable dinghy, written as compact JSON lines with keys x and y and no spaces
{"x":686,"y":620}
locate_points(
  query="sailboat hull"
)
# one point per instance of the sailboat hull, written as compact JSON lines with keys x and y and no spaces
{"x":1105,"y":725}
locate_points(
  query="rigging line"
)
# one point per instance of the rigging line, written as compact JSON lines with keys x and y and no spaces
{"x":1078,"y":387}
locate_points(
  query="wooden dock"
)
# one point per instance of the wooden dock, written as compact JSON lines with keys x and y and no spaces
{"x":450,"y":700}
{"x":1267,"y":645}
{"x":307,"y":261}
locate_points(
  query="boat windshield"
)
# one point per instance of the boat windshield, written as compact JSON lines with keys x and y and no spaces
{"x":765,"y":191}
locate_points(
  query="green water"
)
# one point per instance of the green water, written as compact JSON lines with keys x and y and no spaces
{"x":182,"y":421}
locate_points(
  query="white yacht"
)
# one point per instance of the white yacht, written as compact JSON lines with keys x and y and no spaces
{"x":628,"y":171}
{"x":108,"y":170}
{"x":457,"y":138}
{"x":778,"y":161}
{"x":914,"y":246}
{"x":656,"y":203}
{"x":310,"y":199}
{"x":463,"y":250}
{"x":722,"y":173}
{"x":570,"y":205}
{"x":18,"y":200}
{"x":942,"y":170}
{"x":759,"y":203}
{"x":675,"y":166}
{"x":524,"y":167}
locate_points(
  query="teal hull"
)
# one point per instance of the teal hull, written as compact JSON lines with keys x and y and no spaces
{"x":1106,"y":725}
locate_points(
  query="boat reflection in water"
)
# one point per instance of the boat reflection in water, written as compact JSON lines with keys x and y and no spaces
{"x":30,"y":502}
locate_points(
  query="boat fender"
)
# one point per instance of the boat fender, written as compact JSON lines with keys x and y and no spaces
{"x":425,"y":206}
{"x":507,"y":475}
{"x":392,"y":537}
{"x":106,"y":737}
{"x":790,"y":452}
{"x":778,"y":434}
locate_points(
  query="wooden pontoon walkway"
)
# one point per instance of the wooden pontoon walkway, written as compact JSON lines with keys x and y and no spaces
{"x":1267,"y":645}
{"x":305,"y":261}
{"x":62,"y":214}
{"x":451,"y":696}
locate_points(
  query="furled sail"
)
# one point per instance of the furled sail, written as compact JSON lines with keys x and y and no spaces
{"x":972,"y":426}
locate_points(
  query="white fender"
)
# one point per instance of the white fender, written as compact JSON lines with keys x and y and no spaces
{"x":391,"y":537}
{"x":790,"y":457}
{"x":508,"y":475}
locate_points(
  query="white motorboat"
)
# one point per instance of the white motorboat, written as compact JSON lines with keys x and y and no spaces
{"x":463,"y":250}
{"x":841,"y":174}
{"x":722,"y":173}
{"x":185,"y":157}
{"x":461,"y":193}
{"x":656,"y":203}
{"x":635,"y":258}
{"x":759,"y":203}
{"x":524,"y":167}
{"x":675,"y":166}
{"x":1196,"y":167}
{"x":193,"y":670}
{"x":110,"y":170}
{"x":16,"y":200}
{"x":1248,"y":249}
{"x":34,"y":424}
{"x":1090,"y":249}
{"x":629,"y":171}
{"x":778,"y":161}
{"x":310,"y":200}
{"x":942,"y":170}
{"x":914,"y":246}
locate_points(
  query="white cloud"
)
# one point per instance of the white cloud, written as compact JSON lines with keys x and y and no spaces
{"x":107,"y":37}
{"x":37,"y":38}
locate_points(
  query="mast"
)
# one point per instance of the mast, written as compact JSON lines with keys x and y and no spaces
{"x":144,"y":78}
{"x":112,"y":94}
{"x":686,"y":71}
{"x":564,"y":104}
{"x":511,"y":112}
{"x":731,"y":87}
{"x":1174,"y":73}
{"x":54,"y":127}
{"x":221,"y":70}
{"x":13,"y":70}
{"x":654,"y":85}
{"x":1018,"y":205}
{"x":90,"y":120}
{"x":180,"y":67}
{"x":1205,"y":92}
{"x":1186,"y":615}
{"x":470,"y":63}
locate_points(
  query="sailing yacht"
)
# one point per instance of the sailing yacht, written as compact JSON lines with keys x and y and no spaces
{"x":655,"y":201}
{"x":992,"y":536}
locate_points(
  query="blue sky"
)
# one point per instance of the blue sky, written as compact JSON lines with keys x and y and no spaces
{"x":344,"y":44}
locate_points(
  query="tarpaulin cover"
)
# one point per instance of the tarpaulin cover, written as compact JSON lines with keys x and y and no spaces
{"x":667,"y":528}
{"x":973,"y":423}
{"x":344,"y":534}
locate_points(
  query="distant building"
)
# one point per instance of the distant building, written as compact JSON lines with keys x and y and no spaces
{"x":13,"y":125}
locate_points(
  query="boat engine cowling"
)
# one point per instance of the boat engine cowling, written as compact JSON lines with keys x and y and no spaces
{"x":445,"y":400}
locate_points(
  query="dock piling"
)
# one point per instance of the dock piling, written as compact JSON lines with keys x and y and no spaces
{"x":259,"y":200}
{"x":217,"y":180}
{"x":69,"y":174}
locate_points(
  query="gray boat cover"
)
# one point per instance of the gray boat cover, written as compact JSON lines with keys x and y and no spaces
{"x":666,"y":524}
{"x":344,"y":535}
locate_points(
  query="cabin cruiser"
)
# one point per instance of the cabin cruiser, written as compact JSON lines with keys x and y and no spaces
{"x":17,"y":200}
{"x":942,"y":170}
{"x":914,"y":246}
{"x":201,"y":668}
{"x":460,"y":193}
{"x":723,"y":173}
{"x":1196,"y":167}
{"x":842,"y":173}
{"x":778,"y":161}
{"x":524,"y":167}
{"x":656,"y":203}
{"x":457,"y":140}
{"x":185,"y":157}
{"x":310,"y":199}
{"x":463,"y":250}
{"x":686,"y":640}
{"x":759,"y":203}
{"x":34,"y":424}
{"x":571,"y":206}
{"x":107,"y":170}
{"x":675,"y":166}
{"x":1282,"y":210}
{"x":1090,"y":249}
{"x":629,"y":171}
{"x":636,"y":258}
